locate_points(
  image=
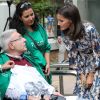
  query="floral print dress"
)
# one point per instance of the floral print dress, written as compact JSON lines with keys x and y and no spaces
{"x":85,"y":54}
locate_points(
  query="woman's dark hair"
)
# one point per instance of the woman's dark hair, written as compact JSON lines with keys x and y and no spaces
{"x":71,"y":12}
{"x":16,"y":23}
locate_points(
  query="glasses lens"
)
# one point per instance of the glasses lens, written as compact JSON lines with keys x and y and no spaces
{"x":16,"y":39}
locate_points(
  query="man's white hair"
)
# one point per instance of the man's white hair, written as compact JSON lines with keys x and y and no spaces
{"x":5,"y":38}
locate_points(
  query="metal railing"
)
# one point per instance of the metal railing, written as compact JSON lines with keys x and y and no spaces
{"x":64,"y":70}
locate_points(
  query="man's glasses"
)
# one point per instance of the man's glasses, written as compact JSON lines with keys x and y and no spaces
{"x":25,"y":4}
{"x":17,"y":39}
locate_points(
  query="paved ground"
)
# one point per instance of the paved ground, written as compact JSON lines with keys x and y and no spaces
{"x":68,"y":83}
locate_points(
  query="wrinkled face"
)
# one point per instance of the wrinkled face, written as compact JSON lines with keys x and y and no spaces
{"x":17,"y":43}
{"x":63,"y":22}
{"x":28,"y":17}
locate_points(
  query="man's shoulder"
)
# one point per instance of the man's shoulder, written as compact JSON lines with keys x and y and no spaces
{"x":3,"y":58}
{"x":2,"y":54}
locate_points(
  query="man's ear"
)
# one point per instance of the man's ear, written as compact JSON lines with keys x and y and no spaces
{"x":10,"y":45}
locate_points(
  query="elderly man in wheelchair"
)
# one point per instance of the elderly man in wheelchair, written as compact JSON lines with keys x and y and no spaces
{"x":19,"y":78}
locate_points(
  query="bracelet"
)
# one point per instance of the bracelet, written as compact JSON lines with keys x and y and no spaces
{"x":0,"y":68}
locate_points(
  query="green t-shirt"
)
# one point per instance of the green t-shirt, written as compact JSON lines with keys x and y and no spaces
{"x":37,"y":53}
{"x":41,"y":39}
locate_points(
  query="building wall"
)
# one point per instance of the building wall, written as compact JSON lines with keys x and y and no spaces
{"x":89,"y":10}
{"x":83,"y":8}
{"x":94,"y":12}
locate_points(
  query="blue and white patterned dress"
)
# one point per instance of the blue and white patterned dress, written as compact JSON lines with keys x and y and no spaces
{"x":85,"y":54}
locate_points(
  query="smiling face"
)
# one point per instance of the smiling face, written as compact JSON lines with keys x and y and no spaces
{"x":17,"y":43}
{"x":63,"y":22}
{"x":28,"y":17}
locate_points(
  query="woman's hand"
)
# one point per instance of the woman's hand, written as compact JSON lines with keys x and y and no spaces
{"x":47,"y":69}
{"x":89,"y":79}
{"x":9,"y":64}
{"x":83,"y":79}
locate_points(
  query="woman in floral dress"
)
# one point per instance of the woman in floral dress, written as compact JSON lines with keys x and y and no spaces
{"x":82,"y":42}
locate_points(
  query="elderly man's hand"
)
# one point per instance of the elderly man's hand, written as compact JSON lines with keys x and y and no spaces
{"x":9,"y":64}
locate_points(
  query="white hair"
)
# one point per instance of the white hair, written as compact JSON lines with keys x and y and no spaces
{"x":5,"y":38}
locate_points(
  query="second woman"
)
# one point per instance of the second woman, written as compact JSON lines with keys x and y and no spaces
{"x":26,"y":23}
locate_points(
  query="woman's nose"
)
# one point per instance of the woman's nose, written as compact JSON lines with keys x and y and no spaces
{"x":31,"y":17}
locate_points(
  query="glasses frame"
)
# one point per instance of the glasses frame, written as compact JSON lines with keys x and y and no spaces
{"x":16,"y":39}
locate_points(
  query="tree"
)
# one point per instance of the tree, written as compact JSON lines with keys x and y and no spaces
{"x":43,"y":7}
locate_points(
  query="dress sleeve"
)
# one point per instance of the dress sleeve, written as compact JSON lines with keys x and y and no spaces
{"x":95,"y":41}
{"x":95,"y":45}
{"x":92,"y":60}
